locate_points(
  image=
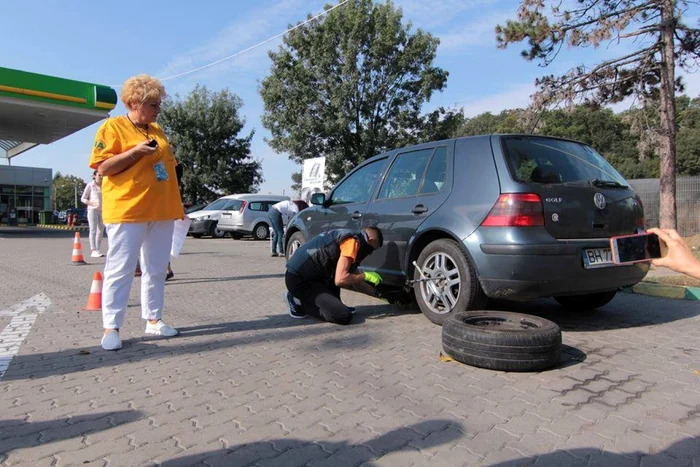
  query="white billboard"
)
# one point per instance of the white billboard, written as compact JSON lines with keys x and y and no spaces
{"x":313,"y":176}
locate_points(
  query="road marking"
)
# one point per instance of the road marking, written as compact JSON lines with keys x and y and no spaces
{"x":17,"y":331}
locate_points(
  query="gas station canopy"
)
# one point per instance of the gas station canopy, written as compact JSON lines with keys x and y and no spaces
{"x":39,"y":109}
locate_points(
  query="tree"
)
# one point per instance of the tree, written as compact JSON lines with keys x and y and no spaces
{"x":688,"y":136}
{"x":659,"y":40}
{"x":67,"y":190}
{"x":204,"y":129}
{"x":349,"y":86}
{"x":508,"y":121}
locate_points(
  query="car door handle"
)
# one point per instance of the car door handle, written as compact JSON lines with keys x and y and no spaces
{"x":356,"y":215}
{"x":419,"y":209}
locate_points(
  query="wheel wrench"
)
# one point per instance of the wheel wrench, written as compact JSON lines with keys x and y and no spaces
{"x":433,"y":288}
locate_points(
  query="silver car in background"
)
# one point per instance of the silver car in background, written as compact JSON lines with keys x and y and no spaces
{"x":246,"y":214}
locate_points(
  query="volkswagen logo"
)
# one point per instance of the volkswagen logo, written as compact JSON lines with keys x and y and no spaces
{"x":599,"y":201}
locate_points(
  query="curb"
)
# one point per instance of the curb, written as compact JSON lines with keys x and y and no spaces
{"x":654,"y":289}
{"x":63,"y":227}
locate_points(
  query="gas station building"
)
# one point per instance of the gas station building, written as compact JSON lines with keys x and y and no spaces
{"x":38,"y":109}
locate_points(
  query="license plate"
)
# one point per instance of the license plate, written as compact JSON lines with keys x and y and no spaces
{"x":225,"y":214}
{"x":597,"y":258}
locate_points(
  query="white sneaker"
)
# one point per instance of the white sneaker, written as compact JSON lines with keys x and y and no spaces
{"x":111,"y":340}
{"x":161,"y":329}
{"x":96,"y":254}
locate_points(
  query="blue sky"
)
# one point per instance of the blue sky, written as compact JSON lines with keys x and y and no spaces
{"x":106,"y":42}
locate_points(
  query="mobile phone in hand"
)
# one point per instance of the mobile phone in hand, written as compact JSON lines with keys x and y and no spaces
{"x":630,"y":249}
{"x":153,"y":143}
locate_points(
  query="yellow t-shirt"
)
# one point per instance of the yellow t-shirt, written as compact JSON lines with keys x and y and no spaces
{"x":136,"y":194}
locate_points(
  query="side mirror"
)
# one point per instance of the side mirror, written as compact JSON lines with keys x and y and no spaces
{"x":318,"y":199}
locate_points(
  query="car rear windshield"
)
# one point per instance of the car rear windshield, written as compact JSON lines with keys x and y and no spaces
{"x":225,"y":204}
{"x":534,"y":159}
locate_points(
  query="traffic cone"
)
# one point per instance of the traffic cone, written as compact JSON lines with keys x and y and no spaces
{"x":94,"y":302}
{"x":77,"y":257}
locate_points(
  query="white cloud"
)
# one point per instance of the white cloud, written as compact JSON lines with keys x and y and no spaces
{"x":250,"y":29}
{"x":430,"y":14}
{"x":514,"y":97}
{"x":480,"y":32}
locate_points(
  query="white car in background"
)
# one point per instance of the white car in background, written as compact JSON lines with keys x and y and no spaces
{"x":205,"y":221}
{"x":246,"y":214}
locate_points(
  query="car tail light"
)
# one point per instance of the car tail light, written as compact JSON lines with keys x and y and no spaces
{"x":639,"y":221}
{"x":243,"y":205}
{"x":516,"y":210}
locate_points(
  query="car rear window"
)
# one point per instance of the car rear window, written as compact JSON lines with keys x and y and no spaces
{"x":260,"y":205}
{"x":534,"y":159}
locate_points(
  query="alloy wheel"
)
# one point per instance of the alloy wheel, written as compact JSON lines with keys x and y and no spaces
{"x":441,"y":294}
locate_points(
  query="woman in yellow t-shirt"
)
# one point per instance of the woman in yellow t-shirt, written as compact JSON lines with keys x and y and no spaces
{"x":140,"y":202}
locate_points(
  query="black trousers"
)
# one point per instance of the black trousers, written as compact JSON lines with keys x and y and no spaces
{"x":318,"y":299}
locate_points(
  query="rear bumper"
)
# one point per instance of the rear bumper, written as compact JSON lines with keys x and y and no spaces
{"x":200,"y":227}
{"x":239,"y":229}
{"x":530,"y":271}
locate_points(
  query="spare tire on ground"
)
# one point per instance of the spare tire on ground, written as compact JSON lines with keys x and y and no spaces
{"x":501,"y":340}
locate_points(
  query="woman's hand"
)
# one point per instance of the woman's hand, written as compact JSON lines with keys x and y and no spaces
{"x":142,"y":149}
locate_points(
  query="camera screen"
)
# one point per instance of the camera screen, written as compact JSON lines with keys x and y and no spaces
{"x":638,"y":248}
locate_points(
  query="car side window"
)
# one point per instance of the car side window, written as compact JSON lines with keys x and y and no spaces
{"x":436,"y":175}
{"x":405,"y":174}
{"x":358,"y":186}
{"x":257,"y":206}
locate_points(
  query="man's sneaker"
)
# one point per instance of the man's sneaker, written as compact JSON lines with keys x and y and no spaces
{"x":293,"y":307}
{"x":111,"y":340}
{"x":161,"y":329}
{"x":96,"y":254}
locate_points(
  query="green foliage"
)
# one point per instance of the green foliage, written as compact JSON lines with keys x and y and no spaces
{"x":65,"y":189}
{"x":627,"y":140}
{"x":351,"y":85}
{"x":508,"y":121}
{"x":688,"y":136}
{"x":204,"y":129}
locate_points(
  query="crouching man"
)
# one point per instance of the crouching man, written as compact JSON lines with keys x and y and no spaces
{"x":319,"y":268}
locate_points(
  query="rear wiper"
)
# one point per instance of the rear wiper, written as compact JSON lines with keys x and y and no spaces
{"x":606,"y":183}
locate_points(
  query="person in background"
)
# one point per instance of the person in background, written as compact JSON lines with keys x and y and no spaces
{"x":92,"y":196}
{"x":320,"y":267}
{"x":678,"y":257}
{"x":140,"y":202}
{"x":279,"y":214}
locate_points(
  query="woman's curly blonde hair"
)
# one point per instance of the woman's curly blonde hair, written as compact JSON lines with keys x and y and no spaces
{"x":140,"y":88}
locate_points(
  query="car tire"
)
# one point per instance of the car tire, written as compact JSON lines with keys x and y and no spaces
{"x":445,"y":257}
{"x":261,"y":231}
{"x":295,"y":241}
{"x":586,"y":302}
{"x":215,"y":232}
{"x":194,"y":235}
{"x":501,"y":340}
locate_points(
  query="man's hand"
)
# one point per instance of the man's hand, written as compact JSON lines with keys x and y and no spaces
{"x":373,"y":278}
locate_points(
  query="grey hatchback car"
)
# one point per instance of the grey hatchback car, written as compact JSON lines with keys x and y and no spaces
{"x":515,"y":217}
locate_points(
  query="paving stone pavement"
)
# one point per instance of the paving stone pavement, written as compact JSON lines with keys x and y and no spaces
{"x":246,"y":385}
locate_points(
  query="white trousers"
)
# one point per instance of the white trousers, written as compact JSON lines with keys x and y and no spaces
{"x":96,"y":228}
{"x":153,"y":240}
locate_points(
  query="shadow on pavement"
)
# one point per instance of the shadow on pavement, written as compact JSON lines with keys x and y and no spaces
{"x":647,"y":311}
{"x":38,"y":232}
{"x":197,"y":280}
{"x":74,"y":360}
{"x":680,"y":453}
{"x":18,"y":434}
{"x":570,"y":356}
{"x":427,"y":434}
